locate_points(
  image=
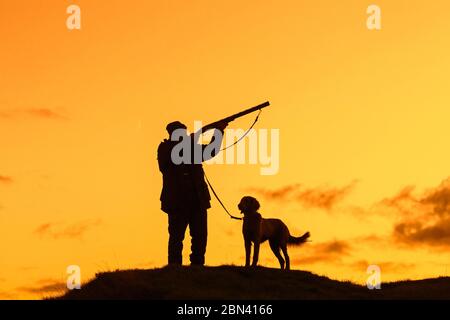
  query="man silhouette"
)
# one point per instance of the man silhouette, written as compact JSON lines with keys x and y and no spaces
{"x":185,"y":196}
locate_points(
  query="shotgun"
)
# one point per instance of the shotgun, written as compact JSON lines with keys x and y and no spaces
{"x":235,"y":116}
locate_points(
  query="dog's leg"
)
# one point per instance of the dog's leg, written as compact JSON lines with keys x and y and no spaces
{"x":286,"y":256}
{"x":276,"y":251}
{"x":248,"y":249}
{"x":255,"y":254}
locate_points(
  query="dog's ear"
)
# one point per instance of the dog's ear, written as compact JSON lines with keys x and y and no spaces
{"x":255,"y":204}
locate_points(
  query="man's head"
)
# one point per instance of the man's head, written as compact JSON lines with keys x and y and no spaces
{"x":171,"y":127}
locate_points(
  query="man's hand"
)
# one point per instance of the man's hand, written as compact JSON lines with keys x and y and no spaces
{"x":219,"y":125}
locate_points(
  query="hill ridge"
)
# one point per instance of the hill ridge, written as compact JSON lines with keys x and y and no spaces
{"x":240,"y":283}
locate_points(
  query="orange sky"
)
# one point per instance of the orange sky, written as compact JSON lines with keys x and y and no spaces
{"x":82,"y":113}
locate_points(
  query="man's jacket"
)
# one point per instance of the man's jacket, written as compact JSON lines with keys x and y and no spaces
{"x":183,"y":184}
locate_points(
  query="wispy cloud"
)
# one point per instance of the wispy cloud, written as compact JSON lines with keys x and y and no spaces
{"x":7,"y":296}
{"x":230,"y":232}
{"x":6,"y":180}
{"x":58,"y":231}
{"x":319,"y":197}
{"x":423,"y":218}
{"x":41,"y":113}
{"x":401,"y":201}
{"x":324,"y":252}
{"x":371,"y":239}
{"x":385,"y":266}
{"x":5,"y":114}
{"x":44,"y":113}
{"x":45,"y":286}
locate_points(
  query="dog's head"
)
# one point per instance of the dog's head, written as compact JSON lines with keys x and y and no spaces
{"x":248,"y":205}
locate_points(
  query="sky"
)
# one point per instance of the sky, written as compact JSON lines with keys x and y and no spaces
{"x":362,"y":118}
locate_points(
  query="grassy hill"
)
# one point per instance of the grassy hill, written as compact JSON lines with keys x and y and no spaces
{"x":230,"y":282}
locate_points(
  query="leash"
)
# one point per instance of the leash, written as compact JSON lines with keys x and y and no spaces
{"x":220,"y":201}
{"x":234,"y":143}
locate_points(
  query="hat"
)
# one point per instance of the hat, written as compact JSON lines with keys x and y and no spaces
{"x":171,"y":127}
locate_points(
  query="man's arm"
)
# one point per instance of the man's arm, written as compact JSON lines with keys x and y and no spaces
{"x":164,"y":152}
{"x":213,"y":147}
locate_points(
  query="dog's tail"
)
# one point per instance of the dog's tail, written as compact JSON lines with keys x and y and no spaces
{"x":298,"y":240}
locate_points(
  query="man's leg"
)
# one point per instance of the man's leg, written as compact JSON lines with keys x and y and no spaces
{"x":198,"y":228}
{"x":178,"y":222}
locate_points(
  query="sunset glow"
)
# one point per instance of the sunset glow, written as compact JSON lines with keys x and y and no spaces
{"x":362,"y":117}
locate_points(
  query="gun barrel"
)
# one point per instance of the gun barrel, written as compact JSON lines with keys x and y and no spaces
{"x":243,"y":113}
{"x":235,"y":116}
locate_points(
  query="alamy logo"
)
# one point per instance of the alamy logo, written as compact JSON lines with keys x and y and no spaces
{"x":74,"y":19}
{"x":262,"y":146}
{"x":374,"y":280}
{"x":374,"y":20}
{"x":74,"y":278}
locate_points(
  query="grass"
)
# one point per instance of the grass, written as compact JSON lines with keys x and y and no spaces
{"x":231,"y":282}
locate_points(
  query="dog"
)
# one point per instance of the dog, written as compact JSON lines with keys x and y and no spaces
{"x":256,"y":229}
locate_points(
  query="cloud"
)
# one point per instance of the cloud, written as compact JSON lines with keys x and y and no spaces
{"x":330,"y":251}
{"x":6,"y":296}
{"x":385,"y":266}
{"x":412,"y":232}
{"x":6,"y":180}
{"x":5,"y":114}
{"x":43,"y":229}
{"x":230,"y":232}
{"x":423,"y":218}
{"x":371,"y":239}
{"x":44,"y":113}
{"x":320,"y":197}
{"x":45,"y":286}
{"x":74,"y":231}
{"x":277,"y":194}
{"x":41,"y":113}
{"x":401,"y":201}
{"x":28,"y":268}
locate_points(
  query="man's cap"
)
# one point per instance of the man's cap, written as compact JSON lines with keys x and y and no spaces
{"x":171,"y":127}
